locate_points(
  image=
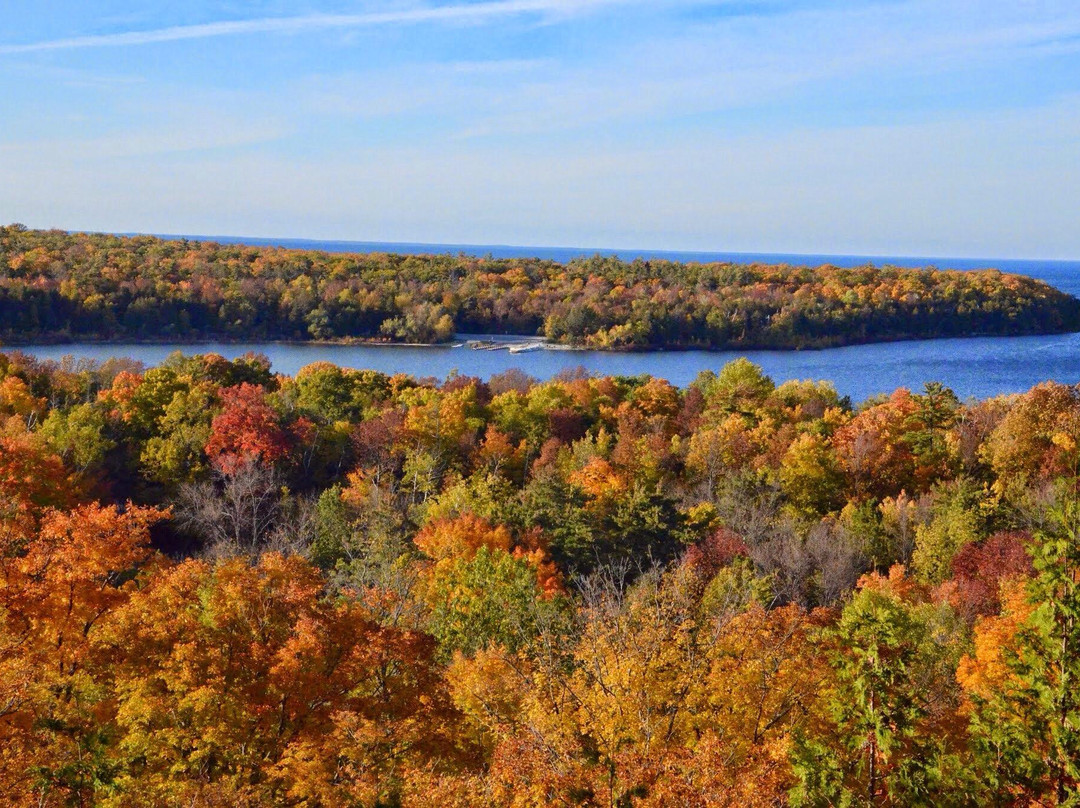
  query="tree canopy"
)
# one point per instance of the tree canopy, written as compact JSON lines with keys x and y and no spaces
{"x":59,"y":286}
{"x":225,"y":586}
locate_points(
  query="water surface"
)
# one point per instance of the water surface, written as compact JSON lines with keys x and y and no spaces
{"x":979,"y":367}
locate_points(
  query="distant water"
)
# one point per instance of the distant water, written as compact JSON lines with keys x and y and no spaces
{"x":976,"y":367}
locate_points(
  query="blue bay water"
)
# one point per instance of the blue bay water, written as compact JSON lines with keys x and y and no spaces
{"x":974,"y":367}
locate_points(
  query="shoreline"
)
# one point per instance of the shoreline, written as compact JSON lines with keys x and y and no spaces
{"x":506,"y":341}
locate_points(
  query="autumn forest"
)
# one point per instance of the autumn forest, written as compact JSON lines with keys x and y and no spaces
{"x":56,"y":286}
{"x":221,"y":586}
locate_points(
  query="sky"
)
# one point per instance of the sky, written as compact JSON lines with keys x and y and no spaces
{"x":896,"y":127}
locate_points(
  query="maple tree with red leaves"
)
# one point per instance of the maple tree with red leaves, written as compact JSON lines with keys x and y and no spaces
{"x":247,"y":429}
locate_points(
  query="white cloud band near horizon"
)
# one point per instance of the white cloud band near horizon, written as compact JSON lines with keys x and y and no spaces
{"x":914,"y":127}
{"x":462,"y":12}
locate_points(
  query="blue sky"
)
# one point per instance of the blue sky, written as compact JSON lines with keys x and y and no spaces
{"x":915,"y":127}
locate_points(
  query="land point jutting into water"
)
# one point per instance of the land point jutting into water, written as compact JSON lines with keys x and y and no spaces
{"x":59,"y":286}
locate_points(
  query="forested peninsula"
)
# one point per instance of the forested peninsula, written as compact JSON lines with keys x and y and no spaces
{"x":58,"y":286}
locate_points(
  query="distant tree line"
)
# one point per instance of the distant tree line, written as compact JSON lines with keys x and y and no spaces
{"x":57,"y":286}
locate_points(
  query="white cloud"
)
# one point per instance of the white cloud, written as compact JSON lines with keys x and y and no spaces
{"x":636,"y":140}
{"x":462,"y":12}
{"x":726,"y":65}
{"x":998,"y":185}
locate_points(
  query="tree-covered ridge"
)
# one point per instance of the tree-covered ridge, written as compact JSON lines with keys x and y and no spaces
{"x":221,"y":586}
{"x":54,"y":285}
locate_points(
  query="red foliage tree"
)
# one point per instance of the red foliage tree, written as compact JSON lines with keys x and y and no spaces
{"x":980,"y":568}
{"x":247,"y":429}
{"x":716,"y":551}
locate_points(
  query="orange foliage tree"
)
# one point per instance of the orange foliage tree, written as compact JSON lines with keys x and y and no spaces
{"x":242,"y":685}
{"x":56,"y":592}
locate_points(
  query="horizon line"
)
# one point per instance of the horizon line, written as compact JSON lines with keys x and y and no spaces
{"x":584,"y":252}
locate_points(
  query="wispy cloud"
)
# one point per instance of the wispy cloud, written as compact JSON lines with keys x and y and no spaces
{"x":870,"y":190}
{"x":462,"y":12}
{"x":723,"y":67}
{"x":902,"y":126}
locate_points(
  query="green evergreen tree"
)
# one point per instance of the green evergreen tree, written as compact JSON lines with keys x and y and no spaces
{"x":875,"y":746}
{"x":1026,"y":731}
